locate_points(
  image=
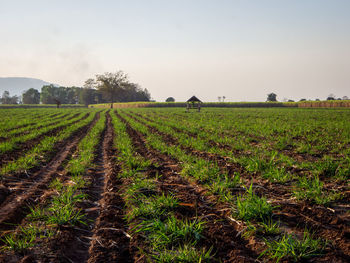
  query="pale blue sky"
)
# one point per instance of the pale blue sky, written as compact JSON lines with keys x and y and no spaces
{"x":242,"y":49}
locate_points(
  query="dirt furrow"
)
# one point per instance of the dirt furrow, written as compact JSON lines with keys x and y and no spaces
{"x":15,"y":207}
{"x":104,"y":238}
{"x":110,"y":241}
{"x":220,"y":232}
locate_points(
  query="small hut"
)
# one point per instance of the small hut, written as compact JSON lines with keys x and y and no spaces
{"x":193,"y":103}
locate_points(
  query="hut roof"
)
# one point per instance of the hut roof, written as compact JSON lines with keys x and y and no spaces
{"x":193,"y":99}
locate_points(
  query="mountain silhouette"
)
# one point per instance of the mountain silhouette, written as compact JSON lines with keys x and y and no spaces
{"x":16,"y":85}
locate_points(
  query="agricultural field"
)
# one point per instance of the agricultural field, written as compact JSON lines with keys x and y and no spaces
{"x":163,"y":185}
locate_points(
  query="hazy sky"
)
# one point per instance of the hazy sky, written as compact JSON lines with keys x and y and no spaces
{"x":241,"y":49}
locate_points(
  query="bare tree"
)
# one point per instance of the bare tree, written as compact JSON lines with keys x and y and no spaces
{"x":112,"y":84}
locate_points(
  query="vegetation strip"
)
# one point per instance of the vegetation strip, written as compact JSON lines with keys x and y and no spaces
{"x":145,"y":202}
{"x":341,"y":243}
{"x":62,"y":210}
{"x":34,"y":156}
{"x":16,"y":205}
{"x":219,"y":227}
{"x":162,"y":185}
{"x":36,"y":135}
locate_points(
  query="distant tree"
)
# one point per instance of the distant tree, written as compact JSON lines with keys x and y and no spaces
{"x":87,"y":96}
{"x":133,"y":92}
{"x":66,"y":95}
{"x":302,"y":100}
{"x":219,"y":98}
{"x":271,"y":97}
{"x":345,"y":98}
{"x":48,"y":93}
{"x":223,"y":98}
{"x":317,"y":99}
{"x":115,"y":87}
{"x":331,"y":97}
{"x":31,"y":96}
{"x":58,"y":102}
{"x":72,"y":94}
{"x":7,"y":99}
{"x":290,"y":100}
{"x":112,"y":84}
{"x":170,"y":99}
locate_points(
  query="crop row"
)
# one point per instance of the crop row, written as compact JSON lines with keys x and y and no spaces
{"x":160,"y":232}
{"x":12,"y":119}
{"x":139,"y":185}
{"x":209,"y":173}
{"x":310,"y":188}
{"x":58,"y":206}
{"x":36,"y":155}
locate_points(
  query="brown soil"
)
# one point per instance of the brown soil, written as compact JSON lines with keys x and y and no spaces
{"x":4,"y":193}
{"x":110,"y":241}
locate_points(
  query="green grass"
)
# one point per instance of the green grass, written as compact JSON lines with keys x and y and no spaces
{"x":21,"y":240}
{"x":171,"y":232}
{"x":294,"y":249}
{"x":252,"y":207}
{"x":311,"y":189}
{"x":185,"y":254}
{"x":151,"y":213}
{"x":152,"y":207}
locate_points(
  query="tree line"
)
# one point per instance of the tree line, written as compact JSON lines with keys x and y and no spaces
{"x":272,"y":97}
{"x":105,"y":88}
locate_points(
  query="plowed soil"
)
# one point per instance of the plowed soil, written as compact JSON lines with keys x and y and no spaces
{"x":105,"y":237}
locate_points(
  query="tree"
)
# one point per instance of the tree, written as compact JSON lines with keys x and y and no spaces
{"x":219,"y":98}
{"x":170,"y":99}
{"x":7,"y":99}
{"x":271,"y":97}
{"x":87,"y":96}
{"x":133,"y":92}
{"x":331,"y":97}
{"x":345,"y":98}
{"x":31,"y":96}
{"x":223,"y":98}
{"x":48,"y":93}
{"x":112,"y":84}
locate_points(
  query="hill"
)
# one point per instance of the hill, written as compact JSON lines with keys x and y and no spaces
{"x":16,"y":85}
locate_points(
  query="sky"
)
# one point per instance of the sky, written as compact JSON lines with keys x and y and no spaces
{"x":240,"y":49}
